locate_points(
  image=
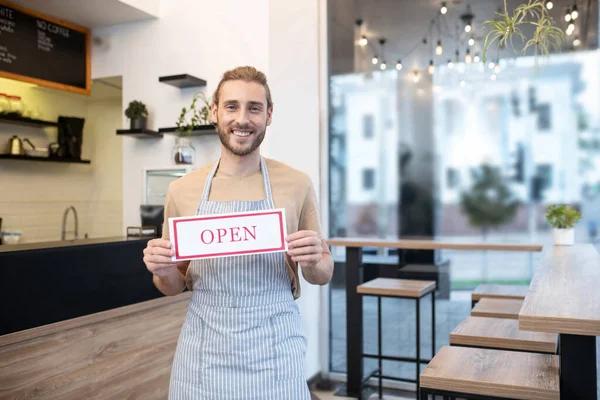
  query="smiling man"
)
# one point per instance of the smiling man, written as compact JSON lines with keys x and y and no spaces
{"x":243,"y":336}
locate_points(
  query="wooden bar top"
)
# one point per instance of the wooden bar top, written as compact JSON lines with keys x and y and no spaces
{"x":121,"y":353}
{"x":432,"y":244}
{"x":564,"y":295}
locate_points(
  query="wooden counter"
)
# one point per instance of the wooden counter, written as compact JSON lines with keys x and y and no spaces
{"x":121,"y":353}
{"x":564,"y":295}
{"x":436,"y":244}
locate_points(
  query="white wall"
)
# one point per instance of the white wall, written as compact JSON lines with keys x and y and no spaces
{"x":205,"y":38}
{"x":34,"y":195}
{"x":294,"y":135}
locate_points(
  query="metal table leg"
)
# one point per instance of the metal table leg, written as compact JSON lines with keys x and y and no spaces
{"x":578,"y":371}
{"x":354,"y":323}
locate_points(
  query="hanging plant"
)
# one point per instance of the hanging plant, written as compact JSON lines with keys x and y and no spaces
{"x":533,"y":13}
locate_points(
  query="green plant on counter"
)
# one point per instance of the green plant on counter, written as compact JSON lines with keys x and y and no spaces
{"x":136,"y":109}
{"x":199,"y":115}
{"x":562,"y":216}
{"x":533,"y":13}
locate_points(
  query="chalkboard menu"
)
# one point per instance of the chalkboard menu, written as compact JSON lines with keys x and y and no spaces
{"x":43,"y":50}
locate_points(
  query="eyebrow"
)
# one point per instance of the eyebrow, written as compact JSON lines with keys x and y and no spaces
{"x":251,"y":103}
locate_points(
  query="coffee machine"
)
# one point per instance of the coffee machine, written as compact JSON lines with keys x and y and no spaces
{"x":70,"y":137}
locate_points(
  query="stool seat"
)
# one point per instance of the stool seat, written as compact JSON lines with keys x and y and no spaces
{"x":396,"y":287}
{"x":497,"y":308}
{"x":494,"y":373}
{"x":485,"y":290}
{"x":501,"y":333}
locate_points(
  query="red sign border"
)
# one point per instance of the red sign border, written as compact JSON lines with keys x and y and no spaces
{"x":231,"y":253}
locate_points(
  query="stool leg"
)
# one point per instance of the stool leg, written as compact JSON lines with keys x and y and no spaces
{"x":379,"y":343}
{"x":432,"y":324}
{"x":418,"y":300}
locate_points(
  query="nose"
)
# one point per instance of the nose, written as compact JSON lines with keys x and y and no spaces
{"x":242,"y":117}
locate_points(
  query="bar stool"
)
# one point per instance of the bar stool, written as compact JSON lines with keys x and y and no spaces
{"x":403,"y":289}
{"x":498,"y":291}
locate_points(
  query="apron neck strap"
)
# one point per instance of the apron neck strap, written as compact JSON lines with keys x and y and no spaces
{"x":265,"y":176}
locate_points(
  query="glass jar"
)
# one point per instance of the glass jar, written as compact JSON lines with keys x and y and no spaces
{"x":16,"y":105}
{"x":183,"y":152}
{"x":4,"y":104}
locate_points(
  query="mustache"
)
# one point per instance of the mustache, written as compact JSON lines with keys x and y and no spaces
{"x":242,"y":128}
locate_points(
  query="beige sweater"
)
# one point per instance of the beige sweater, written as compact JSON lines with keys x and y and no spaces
{"x":292,"y":190}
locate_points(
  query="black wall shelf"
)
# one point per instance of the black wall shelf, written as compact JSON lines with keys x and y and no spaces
{"x":18,"y":120}
{"x":182,"y":81}
{"x":139,"y":133}
{"x":200,"y":130}
{"x":45,"y":159}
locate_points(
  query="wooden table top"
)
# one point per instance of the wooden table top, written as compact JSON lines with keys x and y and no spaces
{"x":433,"y":244}
{"x":564,"y":295}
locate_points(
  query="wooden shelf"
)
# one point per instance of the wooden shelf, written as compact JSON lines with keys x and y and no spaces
{"x":200,"y":130}
{"x":18,"y":120}
{"x":46,"y":159}
{"x":139,"y":133}
{"x":182,"y":81}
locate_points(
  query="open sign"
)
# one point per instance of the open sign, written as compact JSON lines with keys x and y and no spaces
{"x":224,"y":235}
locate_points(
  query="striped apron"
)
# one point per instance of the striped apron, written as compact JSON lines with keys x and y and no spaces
{"x":243,"y":336}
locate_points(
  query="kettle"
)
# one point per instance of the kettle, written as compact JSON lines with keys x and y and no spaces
{"x":15,"y":146}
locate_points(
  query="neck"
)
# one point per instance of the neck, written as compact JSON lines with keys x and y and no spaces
{"x":239,"y":166}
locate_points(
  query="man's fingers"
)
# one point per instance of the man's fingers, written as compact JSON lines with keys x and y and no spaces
{"x":312,"y":258}
{"x":305,"y":250}
{"x":300,"y":235}
{"x":162,"y":243}
{"x":306,"y":241}
{"x":161,"y":251}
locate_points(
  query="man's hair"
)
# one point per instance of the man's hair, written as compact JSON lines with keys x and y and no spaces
{"x":247,"y":74}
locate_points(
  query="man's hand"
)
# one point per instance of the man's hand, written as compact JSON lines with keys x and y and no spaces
{"x":305,"y":248}
{"x":157,"y":257}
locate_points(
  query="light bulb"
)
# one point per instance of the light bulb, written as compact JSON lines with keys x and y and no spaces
{"x":399,"y":65}
{"x":468,"y":58}
{"x":363,"y":41}
{"x":468,"y":28}
{"x":493,"y":77}
{"x":574,"y":13}
{"x":438,"y":48}
{"x":383,"y":66}
{"x":416,"y":76}
{"x":471,"y":42}
{"x":568,"y":15}
{"x":576,"y":42}
{"x":549,"y":5}
{"x":476,"y":58}
{"x":491,"y":65}
{"x":431,"y":68}
{"x":444,"y":9}
{"x":375,"y":60}
{"x":450,"y":64}
{"x":497,"y":69}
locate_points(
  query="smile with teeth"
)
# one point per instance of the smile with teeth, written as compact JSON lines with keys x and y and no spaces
{"x":241,"y":133}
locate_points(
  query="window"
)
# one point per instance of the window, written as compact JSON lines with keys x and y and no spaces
{"x":543,"y":117}
{"x":544,"y":171}
{"x":368,"y":126}
{"x":368,"y":178}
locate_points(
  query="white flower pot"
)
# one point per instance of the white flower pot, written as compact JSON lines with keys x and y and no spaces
{"x":564,"y":237}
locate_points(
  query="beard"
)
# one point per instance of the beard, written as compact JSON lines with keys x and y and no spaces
{"x":229,"y":140}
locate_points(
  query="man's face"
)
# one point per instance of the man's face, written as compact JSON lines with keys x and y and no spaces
{"x":242,"y":116}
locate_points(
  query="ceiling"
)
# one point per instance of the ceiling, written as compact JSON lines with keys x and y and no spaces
{"x":88,"y":13}
{"x":405,"y":23}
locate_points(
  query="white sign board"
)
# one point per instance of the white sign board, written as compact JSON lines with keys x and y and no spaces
{"x":224,"y":235}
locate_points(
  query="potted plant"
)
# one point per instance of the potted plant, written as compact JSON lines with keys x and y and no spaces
{"x":563,"y":219}
{"x":183,"y":151}
{"x":137,"y":114}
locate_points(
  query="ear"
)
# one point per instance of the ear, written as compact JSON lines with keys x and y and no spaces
{"x":213,"y":113}
{"x":269,"y":115}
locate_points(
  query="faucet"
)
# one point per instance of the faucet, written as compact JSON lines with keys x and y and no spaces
{"x":64,"y":221}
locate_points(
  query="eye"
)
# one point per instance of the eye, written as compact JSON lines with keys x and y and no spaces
{"x":230,"y":107}
{"x":255,"y":109}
